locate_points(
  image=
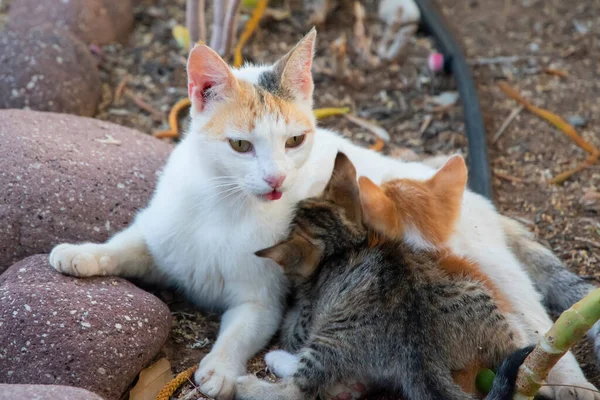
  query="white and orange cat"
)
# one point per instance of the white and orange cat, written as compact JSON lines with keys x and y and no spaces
{"x":229,"y":189}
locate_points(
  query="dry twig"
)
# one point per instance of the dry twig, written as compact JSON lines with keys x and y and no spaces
{"x":507,"y":177}
{"x":560,"y":178}
{"x":194,"y":19}
{"x":513,"y":114}
{"x":121,"y":88}
{"x":339,"y":59}
{"x":425,"y":124}
{"x":562,"y":125}
{"x":251,"y":26}
{"x":143,"y":105}
{"x":361,"y":41}
{"x":588,"y":241}
{"x":321,"y":113}
{"x":217,"y":24}
{"x":229,"y":25}
{"x":173,"y":131}
{"x":556,"y":72}
{"x":381,"y":135}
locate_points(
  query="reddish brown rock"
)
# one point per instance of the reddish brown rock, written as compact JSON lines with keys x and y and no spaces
{"x":92,"y":21}
{"x":61,"y":183}
{"x":47,"y":69}
{"x":95,"y":333}
{"x":45,"y":392}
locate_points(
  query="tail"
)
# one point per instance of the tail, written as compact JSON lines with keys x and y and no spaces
{"x":506,"y":378}
{"x":559,"y":287}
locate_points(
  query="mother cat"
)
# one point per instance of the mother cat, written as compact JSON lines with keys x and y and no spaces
{"x":229,"y":189}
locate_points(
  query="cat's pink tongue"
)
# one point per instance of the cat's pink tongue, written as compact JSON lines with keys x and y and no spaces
{"x":274,"y":195}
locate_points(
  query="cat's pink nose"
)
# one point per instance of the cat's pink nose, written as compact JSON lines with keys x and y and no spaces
{"x":275,"y":181}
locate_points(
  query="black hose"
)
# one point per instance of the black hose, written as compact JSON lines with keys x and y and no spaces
{"x":455,"y":63}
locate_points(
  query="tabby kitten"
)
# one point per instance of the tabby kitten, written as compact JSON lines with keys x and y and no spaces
{"x":371,"y":308}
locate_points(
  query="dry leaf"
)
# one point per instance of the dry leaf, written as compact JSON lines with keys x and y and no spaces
{"x":321,"y":113}
{"x":182,"y":36}
{"x":152,"y":380}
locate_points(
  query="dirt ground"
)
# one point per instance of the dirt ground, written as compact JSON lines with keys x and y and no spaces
{"x":530,"y":35}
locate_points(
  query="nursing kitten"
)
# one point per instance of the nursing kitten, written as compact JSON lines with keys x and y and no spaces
{"x":230,"y":187}
{"x":372,"y":308}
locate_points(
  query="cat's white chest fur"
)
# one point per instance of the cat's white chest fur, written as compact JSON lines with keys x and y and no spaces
{"x":204,"y":246}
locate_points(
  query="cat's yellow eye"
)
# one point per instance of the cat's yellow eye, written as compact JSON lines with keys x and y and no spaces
{"x":241,"y":146}
{"x":295,"y":141}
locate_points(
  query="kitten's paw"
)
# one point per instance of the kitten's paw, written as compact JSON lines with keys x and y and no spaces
{"x":349,"y":390}
{"x":281,"y":363}
{"x":216,"y":377}
{"x":81,"y":260}
{"x":249,"y":387}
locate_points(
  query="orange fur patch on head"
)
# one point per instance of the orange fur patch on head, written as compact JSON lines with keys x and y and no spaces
{"x":455,"y":265}
{"x":432,"y":206}
{"x":247,"y":106}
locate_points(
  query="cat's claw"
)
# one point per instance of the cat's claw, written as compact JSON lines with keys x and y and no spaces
{"x":281,"y":363}
{"x":81,"y":260}
{"x":215,"y":378}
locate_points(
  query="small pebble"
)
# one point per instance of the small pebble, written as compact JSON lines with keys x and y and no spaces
{"x":576,"y":120}
{"x":534,"y":47}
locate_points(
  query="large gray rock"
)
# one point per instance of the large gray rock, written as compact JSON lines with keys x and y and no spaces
{"x":48,"y":69}
{"x":92,"y":21}
{"x":45,"y":392}
{"x":95,"y":333}
{"x":60,"y":184}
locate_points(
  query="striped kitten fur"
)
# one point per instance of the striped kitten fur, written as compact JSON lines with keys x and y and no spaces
{"x":374,"y":309}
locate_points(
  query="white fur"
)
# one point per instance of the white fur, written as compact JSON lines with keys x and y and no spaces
{"x":281,"y":363}
{"x":205,"y":222}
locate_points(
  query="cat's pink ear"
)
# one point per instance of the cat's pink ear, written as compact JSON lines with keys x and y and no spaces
{"x":378,"y":210}
{"x":297,"y":256}
{"x":294,"y":69}
{"x":450,"y":180}
{"x":209,"y":78}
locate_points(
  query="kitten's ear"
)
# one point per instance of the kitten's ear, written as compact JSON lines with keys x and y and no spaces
{"x":209,"y":78}
{"x":294,"y":69}
{"x":342,"y":188}
{"x":450,"y":181}
{"x":379,"y":211}
{"x":296,"y":256}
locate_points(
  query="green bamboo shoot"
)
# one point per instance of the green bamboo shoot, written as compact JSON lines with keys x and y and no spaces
{"x":570,"y":327}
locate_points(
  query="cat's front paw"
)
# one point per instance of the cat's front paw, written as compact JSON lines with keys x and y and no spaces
{"x":216,"y":377}
{"x":81,"y":260}
{"x":281,"y":363}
